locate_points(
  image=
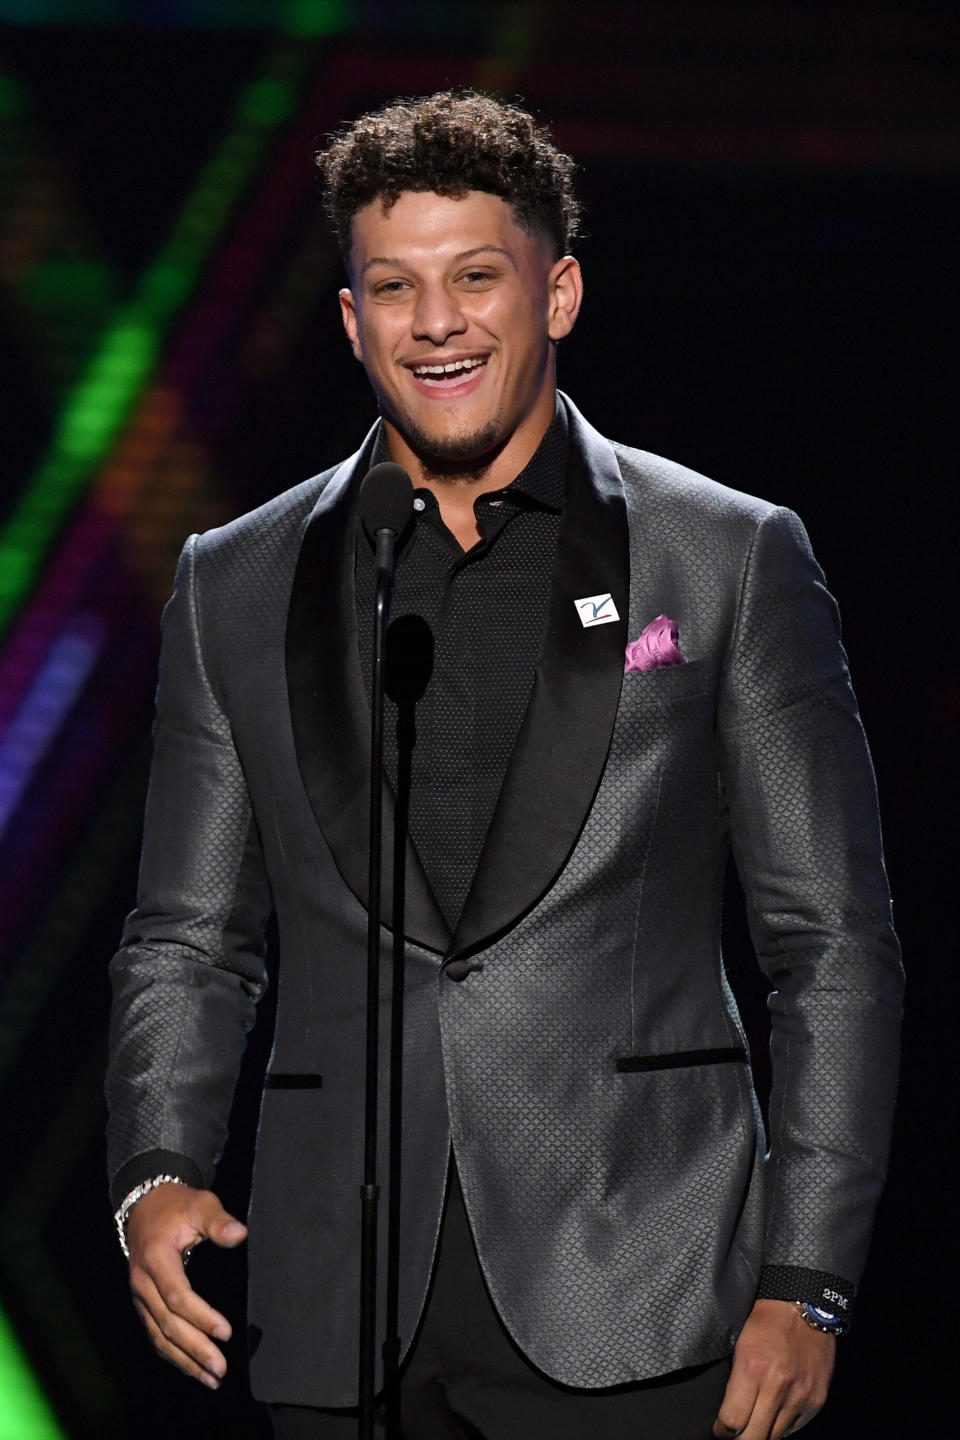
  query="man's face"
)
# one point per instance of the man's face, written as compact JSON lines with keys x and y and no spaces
{"x":453,"y":312}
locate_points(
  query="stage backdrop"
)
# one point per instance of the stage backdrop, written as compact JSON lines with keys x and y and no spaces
{"x":770,"y":298}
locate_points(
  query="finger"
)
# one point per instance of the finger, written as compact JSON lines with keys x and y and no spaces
{"x":168,"y":1350}
{"x":161,"y":1281}
{"x":800,"y":1404}
{"x":176,"y":1337}
{"x":779,"y":1409}
{"x":766,"y":1412}
{"x":737,"y":1405}
{"x":794,"y":1417}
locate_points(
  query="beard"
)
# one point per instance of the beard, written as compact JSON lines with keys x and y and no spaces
{"x":450,"y":458}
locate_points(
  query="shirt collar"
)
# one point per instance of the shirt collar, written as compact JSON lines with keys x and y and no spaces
{"x":543,"y":478}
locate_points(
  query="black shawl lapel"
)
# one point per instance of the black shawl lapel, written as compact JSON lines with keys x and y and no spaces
{"x":562,"y":746}
{"x":328,"y":703}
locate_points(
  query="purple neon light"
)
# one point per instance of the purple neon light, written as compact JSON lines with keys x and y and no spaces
{"x":45,"y":705}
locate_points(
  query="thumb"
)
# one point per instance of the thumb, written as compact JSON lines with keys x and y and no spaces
{"x":223,"y":1228}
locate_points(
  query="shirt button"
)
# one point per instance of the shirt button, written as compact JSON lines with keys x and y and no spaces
{"x":419,"y":503}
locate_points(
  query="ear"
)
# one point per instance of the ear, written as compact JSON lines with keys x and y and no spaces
{"x":348,"y":314}
{"x":565,"y":290}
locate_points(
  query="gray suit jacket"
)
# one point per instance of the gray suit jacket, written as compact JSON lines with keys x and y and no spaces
{"x":592,"y":1070}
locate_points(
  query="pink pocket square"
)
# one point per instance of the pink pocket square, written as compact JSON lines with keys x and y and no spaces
{"x":656,"y":647}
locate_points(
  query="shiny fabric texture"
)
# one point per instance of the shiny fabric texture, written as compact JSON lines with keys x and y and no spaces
{"x":467,"y":1381}
{"x":621,"y":1215}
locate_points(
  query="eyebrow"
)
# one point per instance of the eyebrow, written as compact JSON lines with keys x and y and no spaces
{"x":457,"y":259}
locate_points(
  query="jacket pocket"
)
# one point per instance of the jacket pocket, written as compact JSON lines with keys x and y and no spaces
{"x":680,"y":1059}
{"x":667,"y":683}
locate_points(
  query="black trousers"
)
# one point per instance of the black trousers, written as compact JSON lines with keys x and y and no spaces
{"x":466,"y":1380}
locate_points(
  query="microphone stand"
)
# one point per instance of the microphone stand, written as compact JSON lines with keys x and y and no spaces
{"x":408,"y":668}
{"x":370,"y":1190}
{"x":385,"y":508}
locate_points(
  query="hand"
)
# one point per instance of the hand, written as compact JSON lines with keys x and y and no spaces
{"x":780,"y":1376}
{"x":161,"y":1228}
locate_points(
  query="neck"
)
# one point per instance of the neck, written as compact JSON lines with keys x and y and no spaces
{"x":457,"y":484}
{"x":474,"y":474}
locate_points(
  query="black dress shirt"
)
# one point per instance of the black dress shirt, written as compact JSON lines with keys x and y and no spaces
{"x":485,"y":611}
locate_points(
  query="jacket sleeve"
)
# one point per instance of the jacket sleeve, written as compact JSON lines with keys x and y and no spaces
{"x":806,"y":839}
{"x":191,"y":962}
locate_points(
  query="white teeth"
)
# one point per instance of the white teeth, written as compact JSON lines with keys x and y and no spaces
{"x":450,"y":369}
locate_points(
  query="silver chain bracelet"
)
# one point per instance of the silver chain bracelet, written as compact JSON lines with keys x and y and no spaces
{"x":137,"y":1193}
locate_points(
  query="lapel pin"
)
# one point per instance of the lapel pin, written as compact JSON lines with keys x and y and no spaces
{"x":596,"y":610}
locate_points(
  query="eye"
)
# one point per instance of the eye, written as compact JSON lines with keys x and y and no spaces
{"x":390,"y":288}
{"x":477,"y":277}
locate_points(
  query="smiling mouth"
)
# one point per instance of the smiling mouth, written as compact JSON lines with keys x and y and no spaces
{"x":447,"y":375}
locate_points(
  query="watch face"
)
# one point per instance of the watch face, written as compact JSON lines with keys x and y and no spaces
{"x":822,"y":1319}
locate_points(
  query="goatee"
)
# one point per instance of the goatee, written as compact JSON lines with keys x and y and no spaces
{"x":455,"y":457}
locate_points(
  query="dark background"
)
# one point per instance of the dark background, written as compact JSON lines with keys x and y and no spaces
{"x":770,"y":298}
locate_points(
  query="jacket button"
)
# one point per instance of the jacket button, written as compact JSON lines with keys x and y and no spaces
{"x":460,"y":969}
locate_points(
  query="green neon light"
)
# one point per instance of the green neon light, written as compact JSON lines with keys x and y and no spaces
{"x":268,"y":102}
{"x":96,"y":408}
{"x":100,"y":402}
{"x":316,"y":17}
{"x":12,"y":98}
{"x":23,"y":1409}
{"x":296,"y":17}
{"x":41,"y":1191}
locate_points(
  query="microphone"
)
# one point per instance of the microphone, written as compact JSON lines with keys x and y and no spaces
{"x":386,"y":505}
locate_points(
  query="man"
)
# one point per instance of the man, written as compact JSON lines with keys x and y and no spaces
{"x":612,"y":1231}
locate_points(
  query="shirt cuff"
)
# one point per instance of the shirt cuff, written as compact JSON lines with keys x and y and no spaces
{"x":148,"y":1164}
{"x":817,"y":1287}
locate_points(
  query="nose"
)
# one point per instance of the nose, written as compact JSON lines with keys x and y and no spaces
{"x":437,"y":315}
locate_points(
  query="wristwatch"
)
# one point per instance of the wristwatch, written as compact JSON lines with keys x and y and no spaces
{"x":821,"y":1320}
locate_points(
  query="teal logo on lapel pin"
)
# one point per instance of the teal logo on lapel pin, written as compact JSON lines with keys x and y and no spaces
{"x":596,"y":610}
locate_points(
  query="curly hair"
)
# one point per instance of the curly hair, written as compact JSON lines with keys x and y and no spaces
{"x":451,"y":142}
